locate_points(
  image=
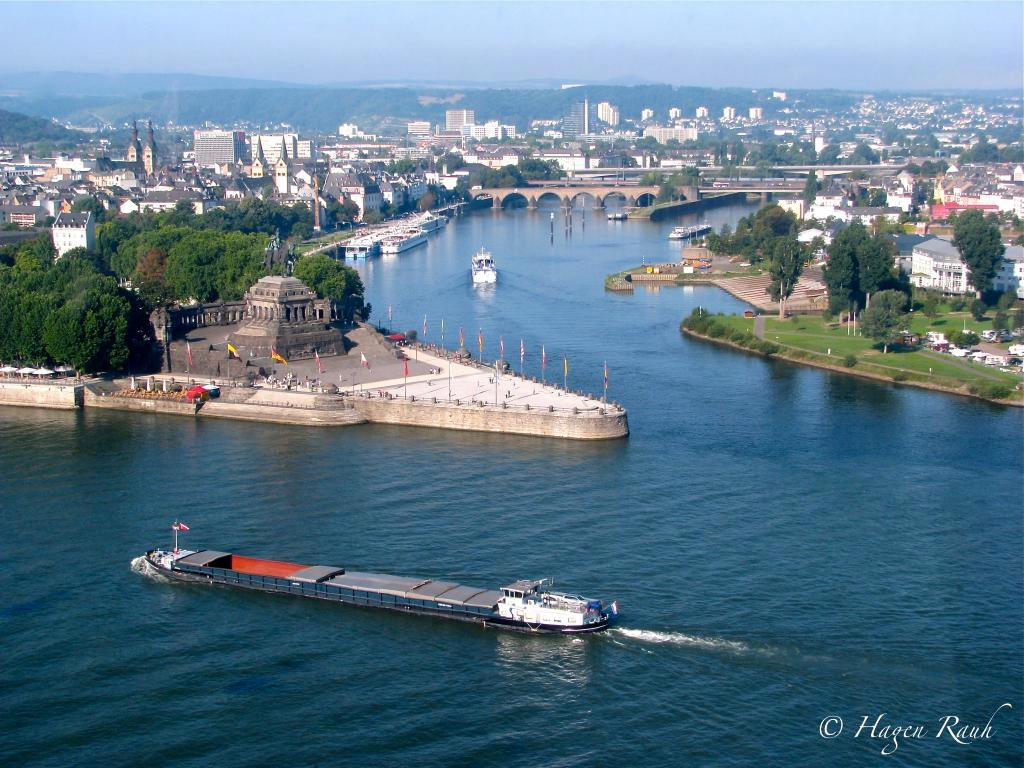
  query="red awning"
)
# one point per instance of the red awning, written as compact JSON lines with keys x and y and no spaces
{"x":395,"y":337}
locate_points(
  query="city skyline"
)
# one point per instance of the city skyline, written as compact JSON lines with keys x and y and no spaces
{"x":870,"y":46}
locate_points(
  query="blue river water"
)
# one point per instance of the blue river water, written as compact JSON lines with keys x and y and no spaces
{"x":804,"y":562}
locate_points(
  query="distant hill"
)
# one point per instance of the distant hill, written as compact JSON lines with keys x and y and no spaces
{"x":16,"y":128}
{"x":374,"y":109}
{"x":100,"y":101}
{"x":36,"y":85}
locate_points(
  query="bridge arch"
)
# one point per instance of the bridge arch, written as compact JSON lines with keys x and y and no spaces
{"x":548,"y":200}
{"x":514,"y":200}
{"x":617,"y":200}
{"x":645,"y":199}
{"x":583,"y":200}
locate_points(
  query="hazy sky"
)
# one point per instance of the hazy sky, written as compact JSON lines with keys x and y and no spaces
{"x":870,"y":45}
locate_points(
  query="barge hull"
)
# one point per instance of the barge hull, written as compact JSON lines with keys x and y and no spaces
{"x":358,"y":589}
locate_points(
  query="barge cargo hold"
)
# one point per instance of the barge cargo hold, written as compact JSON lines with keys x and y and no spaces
{"x":523,"y":605}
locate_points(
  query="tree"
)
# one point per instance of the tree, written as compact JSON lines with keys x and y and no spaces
{"x":427,"y":201}
{"x":92,"y":205}
{"x":737,"y":152}
{"x":963,"y":338}
{"x":332,"y":280}
{"x":978,"y":309}
{"x":829,"y":155}
{"x":1000,"y":320}
{"x":877,"y":198}
{"x":977,"y":239}
{"x":785,"y":264}
{"x":863,"y":154}
{"x":811,"y":188}
{"x":533,"y":168}
{"x":885,"y":318}
{"x":876,"y":259}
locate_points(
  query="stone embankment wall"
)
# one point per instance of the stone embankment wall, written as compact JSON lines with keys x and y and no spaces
{"x":298,"y":413}
{"x":38,"y":395}
{"x":471,"y":417}
{"x":169,"y":406}
{"x":308,"y":409}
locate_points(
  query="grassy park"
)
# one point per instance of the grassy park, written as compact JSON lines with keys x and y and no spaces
{"x":813,"y":340}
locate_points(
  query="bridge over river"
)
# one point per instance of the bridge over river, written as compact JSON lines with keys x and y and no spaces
{"x":579,"y":193}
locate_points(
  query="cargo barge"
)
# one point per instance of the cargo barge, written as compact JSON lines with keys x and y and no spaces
{"x":526,"y":606}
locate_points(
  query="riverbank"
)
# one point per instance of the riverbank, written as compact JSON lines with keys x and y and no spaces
{"x":425,"y":387}
{"x":698,"y":266}
{"x":848,"y":364}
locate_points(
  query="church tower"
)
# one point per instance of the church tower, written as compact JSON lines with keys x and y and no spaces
{"x":134,"y":153}
{"x":259,"y":164}
{"x":281,"y":175}
{"x":149,"y":152}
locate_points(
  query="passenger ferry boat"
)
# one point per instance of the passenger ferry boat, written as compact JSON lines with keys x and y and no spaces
{"x":483,"y":267}
{"x":526,"y":606}
{"x":685,"y":233}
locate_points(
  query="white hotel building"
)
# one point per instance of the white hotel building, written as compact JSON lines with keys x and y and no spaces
{"x":937,"y":264}
{"x":73,"y":230}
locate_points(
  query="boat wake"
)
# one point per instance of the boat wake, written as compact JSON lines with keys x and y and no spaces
{"x":682,"y":639}
{"x":141,"y":565}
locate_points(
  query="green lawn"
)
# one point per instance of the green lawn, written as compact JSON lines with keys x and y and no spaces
{"x":811,"y":338}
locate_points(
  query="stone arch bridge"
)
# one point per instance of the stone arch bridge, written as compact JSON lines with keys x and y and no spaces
{"x":573,"y":196}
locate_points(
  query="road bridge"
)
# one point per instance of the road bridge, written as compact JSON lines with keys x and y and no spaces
{"x":574,"y":194}
{"x":579,"y":193}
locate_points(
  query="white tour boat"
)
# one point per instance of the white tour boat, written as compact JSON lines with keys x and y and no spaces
{"x":403,"y":240}
{"x":430,"y":222}
{"x":483,"y":268}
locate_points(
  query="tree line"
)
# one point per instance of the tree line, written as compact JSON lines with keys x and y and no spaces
{"x":79,"y":310}
{"x":68,"y":312}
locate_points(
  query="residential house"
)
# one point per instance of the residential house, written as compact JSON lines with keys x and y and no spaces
{"x":73,"y":230}
{"x":1010,"y":276}
{"x":359,"y":188}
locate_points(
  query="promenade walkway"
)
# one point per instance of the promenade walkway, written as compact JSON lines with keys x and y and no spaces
{"x":432,"y":373}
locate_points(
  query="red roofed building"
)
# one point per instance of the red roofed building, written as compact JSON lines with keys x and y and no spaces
{"x":942,"y":211}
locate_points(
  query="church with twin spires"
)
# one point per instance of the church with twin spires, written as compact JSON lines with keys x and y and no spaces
{"x":142,"y":156}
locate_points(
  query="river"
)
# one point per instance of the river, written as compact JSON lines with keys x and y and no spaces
{"x":787,"y":546}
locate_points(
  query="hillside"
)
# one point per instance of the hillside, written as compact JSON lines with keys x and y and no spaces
{"x":16,"y":128}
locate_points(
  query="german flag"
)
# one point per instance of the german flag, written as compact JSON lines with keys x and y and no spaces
{"x":274,"y":355}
